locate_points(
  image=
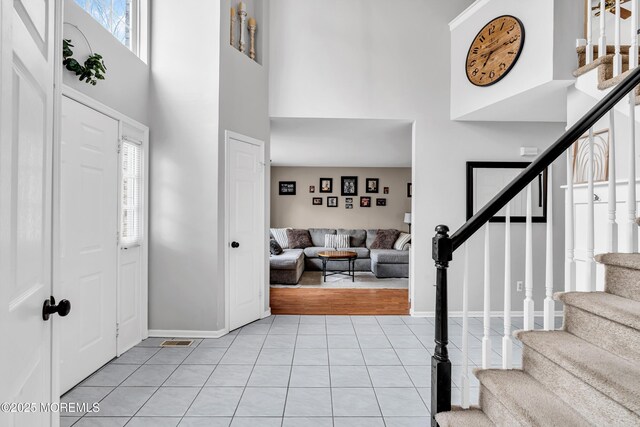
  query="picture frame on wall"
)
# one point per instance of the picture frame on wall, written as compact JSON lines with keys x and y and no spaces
{"x":349,"y":185}
{"x":409,"y":189}
{"x":287,"y":188}
{"x":381,"y":202}
{"x":312,"y":189}
{"x":317,"y":201}
{"x":348,"y":205}
{"x":486,"y":179}
{"x":365,"y":202}
{"x":601,"y":144}
{"x":348,"y":200}
{"x":332,"y":202}
{"x":386,"y":190}
{"x":372,"y":185}
{"x":326,"y":185}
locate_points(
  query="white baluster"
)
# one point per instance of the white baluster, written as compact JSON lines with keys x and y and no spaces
{"x":633,"y":49}
{"x":549,"y":306}
{"x":602,"y":42}
{"x":464,"y":380}
{"x":506,"y":339}
{"x":612,"y":225}
{"x":589,"y":47}
{"x":617,"y":57}
{"x":632,"y":228}
{"x":569,"y":224}
{"x":486,"y":342}
{"x":528,"y":266}
{"x":590,"y":263}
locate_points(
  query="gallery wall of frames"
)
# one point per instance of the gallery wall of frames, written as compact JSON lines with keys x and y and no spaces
{"x":340,"y":197}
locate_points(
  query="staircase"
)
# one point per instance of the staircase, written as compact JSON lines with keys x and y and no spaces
{"x":588,"y":373}
{"x":604,"y":66}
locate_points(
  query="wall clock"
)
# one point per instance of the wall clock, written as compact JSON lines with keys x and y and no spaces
{"x":495,"y":50}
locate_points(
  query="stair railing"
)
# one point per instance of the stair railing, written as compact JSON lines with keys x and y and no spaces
{"x":445,"y":245}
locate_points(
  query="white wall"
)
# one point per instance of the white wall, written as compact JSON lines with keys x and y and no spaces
{"x":539,"y":77}
{"x":360,"y":59}
{"x":200,"y":87}
{"x":126,"y":84}
{"x":341,"y":142}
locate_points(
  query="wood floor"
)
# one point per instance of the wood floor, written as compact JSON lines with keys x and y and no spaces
{"x":339,"y":301}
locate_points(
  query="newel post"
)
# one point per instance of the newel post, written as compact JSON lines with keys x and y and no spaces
{"x":440,"y":364}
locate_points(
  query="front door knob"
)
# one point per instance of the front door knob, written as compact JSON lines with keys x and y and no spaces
{"x":62,"y":308}
{"x":235,"y":245}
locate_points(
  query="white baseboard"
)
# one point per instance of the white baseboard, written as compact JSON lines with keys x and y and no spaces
{"x":478,"y":313}
{"x":170,"y":333}
{"x":267,"y":313}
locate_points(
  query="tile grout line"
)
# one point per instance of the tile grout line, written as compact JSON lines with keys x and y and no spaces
{"x":207,"y":380}
{"x":293,"y":356}
{"x":119,"y":384}
{"x":159,"y":387}
{"x":252,"y":369}
{"x":367,"y":368}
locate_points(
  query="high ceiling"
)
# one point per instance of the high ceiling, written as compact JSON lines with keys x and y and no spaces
{"x":341,"y":142}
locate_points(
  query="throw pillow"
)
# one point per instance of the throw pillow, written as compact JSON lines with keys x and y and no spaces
{"x":385,"y":239}
{"x":336,"y":241}
{"x":403,"y":239}
{"x":280,"y":234}
{"x":330,"y":241}
{"x":299,"y":239}
{"x":274,"y":247}
{"x":342,"y":241}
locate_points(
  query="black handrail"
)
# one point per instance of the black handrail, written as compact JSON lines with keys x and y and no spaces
{"x":547,"y":158}
{"x":444,"y":245}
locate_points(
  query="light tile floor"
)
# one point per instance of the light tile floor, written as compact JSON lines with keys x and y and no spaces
{"x":286,"y":371}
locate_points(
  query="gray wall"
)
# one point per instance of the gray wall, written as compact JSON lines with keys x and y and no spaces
{"x":183,"y":270}
{"x":200,"y":87}
{"x":126,"y":84}
{"x":337,"y":66}
{"x":244,"y":108}
{"x":298,"y":211}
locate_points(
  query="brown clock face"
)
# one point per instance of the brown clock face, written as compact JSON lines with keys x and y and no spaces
{"x":495,"y":50}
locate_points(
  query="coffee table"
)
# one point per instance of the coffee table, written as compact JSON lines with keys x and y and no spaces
{"x":348,"y":256}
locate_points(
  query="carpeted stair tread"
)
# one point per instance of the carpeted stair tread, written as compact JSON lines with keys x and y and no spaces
{"x":631,"y":261}
{"x":528,"y":401}
{"x":458,"y":417}
{"x":617,"y":309}
{"x":601,"y":369}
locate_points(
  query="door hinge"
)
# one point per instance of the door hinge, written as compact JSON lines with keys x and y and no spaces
{"x":117,"y":330}
{"x":119,"y":146}
{"x":117,"y":237}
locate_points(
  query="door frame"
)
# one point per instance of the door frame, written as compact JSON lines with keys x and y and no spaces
{"x":123,"y":122}
{"x":264,"y":294}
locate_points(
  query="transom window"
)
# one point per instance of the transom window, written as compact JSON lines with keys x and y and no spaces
{"x":119,"y":17}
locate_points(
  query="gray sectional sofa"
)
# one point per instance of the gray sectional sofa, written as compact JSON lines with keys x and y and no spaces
{"x":287,"y":268}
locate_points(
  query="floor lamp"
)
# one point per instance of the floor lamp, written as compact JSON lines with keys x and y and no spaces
{"x":407,"y":220}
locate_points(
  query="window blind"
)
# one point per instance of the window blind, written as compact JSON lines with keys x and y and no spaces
{"x":131,"y":204}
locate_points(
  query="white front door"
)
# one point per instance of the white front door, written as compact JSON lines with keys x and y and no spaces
{"x":88,"y":240}
{"x":26,"y":146}
{"x":246,"y":229}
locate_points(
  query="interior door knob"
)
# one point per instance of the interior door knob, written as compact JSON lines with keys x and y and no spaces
{"x":235,"y":245}
{"x":62,"y":308}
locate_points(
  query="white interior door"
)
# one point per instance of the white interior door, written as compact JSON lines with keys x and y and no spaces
{"x":26,"y":146}
{"x":246,"y":234}
{"x":88,"y":240}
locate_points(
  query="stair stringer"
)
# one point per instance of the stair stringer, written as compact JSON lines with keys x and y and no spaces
{"x":587,"y":83}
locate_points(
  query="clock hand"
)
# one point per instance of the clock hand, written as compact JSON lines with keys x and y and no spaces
{"x":489,"y":56}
